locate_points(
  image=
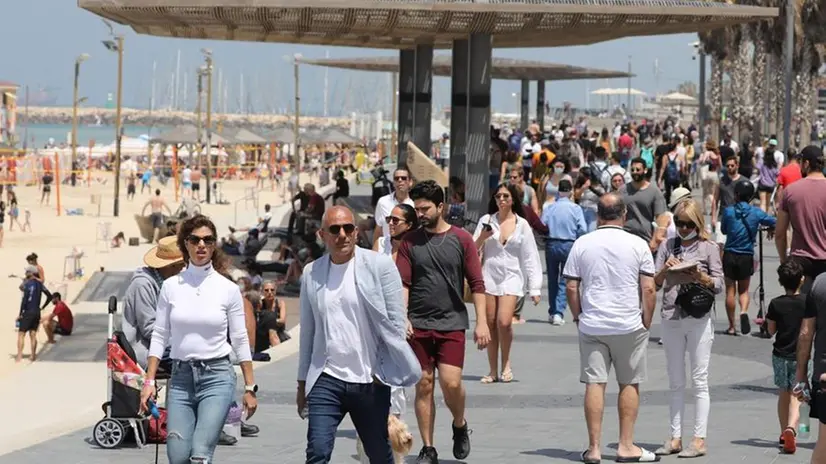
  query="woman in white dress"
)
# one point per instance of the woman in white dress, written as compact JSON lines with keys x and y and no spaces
{"x":510,"y":263}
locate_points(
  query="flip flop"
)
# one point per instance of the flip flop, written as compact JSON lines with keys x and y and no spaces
{"x":731,"y":332}
{"x":589,"y":460}
{"x":645,"y":456}
{"x":488,"y":379}
{"x":506,"y":377}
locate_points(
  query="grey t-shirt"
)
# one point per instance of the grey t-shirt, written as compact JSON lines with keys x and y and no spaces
{"x":816,"y":307}
{"x":644,"y":206}
{"x":727,"y":196}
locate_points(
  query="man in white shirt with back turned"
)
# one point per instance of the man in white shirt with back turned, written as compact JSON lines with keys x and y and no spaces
{"x":402,"y":182}
{"x":353,"y":344}
{"x":602,"y":266}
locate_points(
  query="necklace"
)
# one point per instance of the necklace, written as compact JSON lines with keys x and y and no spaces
{"x":430,"y":235}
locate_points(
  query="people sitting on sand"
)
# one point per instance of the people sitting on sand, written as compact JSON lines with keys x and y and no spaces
{"x":262,"y":225}
{"x":271,"y":319}
{"x":141,"y":297}
{"x":28,"y":320}
{"x":58,"y":322}
{"x":118,"y":240}
{"x":311,"y":208}
{"x":157,"y":205}
{"x":249,"y":247}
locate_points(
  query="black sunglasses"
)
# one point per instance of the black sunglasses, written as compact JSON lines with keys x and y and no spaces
{"x":209,"y":240}
{"x":335,"y":229}
{"x":400,"y":178}
{"x":684,"y":224}
{"x":394,"y":220}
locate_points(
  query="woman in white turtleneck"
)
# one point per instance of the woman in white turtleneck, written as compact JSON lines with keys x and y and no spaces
{"x":196,"y":310}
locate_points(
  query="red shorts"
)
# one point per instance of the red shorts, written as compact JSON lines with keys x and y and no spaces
{"x":434,"y":347}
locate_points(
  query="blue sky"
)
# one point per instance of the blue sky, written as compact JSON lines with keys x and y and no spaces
{"x":45,"y":36}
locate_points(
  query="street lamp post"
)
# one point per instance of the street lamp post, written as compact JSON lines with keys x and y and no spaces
{"x":200,"y":96}
{"x":75,"y":102}
{"x":296,"y":59}
{"x":117,"y":46}
{"x":208,"y":71}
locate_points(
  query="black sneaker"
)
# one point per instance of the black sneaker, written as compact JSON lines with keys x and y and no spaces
{"x":248,"y":430}
{"x":428,"y":455}
{"x":461,"y":441}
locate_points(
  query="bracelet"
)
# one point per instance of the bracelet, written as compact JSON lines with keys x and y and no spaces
{"x":149,"y":382}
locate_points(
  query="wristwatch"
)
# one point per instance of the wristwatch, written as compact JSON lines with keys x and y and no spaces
{"x":251,"y":388}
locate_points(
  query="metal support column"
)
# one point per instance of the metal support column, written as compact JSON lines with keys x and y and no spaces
{"x":459,"y":109}
{"x":524,"y":98}
{"x":540,"y":104}
{"x":423,"y":97}
{"x":478,"y":151}
{"x":702,"y":108}
{"x":407,"y":93}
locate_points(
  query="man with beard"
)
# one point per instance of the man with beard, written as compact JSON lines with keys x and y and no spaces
{"x":436,"y":260}
{"x":724,"y":194}
{"x":803,"y":206}
{"x":645,"y":207}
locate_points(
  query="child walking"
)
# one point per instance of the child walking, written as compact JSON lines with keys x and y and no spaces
{"x":784,"y":317}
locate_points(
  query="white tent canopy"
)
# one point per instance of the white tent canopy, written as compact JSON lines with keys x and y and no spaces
{"x":437,"y":129}
{"x":678,"y":97}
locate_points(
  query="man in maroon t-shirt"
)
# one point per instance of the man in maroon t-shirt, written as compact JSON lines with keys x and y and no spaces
{"x":65,"y":321}
{"x":434,"y":263}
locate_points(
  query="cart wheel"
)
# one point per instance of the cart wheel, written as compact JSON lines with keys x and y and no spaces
{"x":108,"y":433}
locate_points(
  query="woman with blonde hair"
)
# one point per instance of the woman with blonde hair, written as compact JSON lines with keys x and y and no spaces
{"x":710,"y":163}
{"x":690,"y":273}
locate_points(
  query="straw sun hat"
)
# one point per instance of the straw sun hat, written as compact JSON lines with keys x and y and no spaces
{"x":164,"y":254}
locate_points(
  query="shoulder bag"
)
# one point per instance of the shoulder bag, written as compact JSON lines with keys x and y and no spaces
{"x":693,"y":299}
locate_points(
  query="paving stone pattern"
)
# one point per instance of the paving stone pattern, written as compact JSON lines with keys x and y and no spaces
{"x":536,"y":419}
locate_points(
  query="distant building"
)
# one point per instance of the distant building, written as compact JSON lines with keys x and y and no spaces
{"x":8,"y":112}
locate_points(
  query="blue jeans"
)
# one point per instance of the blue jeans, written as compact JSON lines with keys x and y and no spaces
{"x":200,"y":394}
{"x":368,"y":405}
{"x":556,"y":253}
{"x":590,"y":219}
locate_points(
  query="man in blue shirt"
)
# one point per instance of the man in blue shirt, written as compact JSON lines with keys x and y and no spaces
{"x":740,"y":223}
{"x":565,"y":223}
{"x":29,"y":318}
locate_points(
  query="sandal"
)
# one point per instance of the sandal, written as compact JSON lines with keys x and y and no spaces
{"x":507,"y":376}
{"x":731,"y":332}
{"x":588,"y":460}
{"x":745,"y":326}
{"x":789,"y":440}
{"x":488,"y":379}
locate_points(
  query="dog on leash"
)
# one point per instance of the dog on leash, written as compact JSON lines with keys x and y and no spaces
{"x":401,"y":440}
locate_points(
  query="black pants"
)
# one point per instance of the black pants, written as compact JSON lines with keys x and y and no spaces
{"x":669,"y":187}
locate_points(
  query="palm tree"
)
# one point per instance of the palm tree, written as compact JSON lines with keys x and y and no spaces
{"x":715,"y":46}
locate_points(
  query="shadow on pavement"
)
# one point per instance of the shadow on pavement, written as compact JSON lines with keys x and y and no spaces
{"x":573,"y":456}
{"x":86,"y":344}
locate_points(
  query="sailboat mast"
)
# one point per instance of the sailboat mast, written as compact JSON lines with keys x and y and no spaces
{"x":220,"y":105}
{"x":152,"y":97}
{"x":326,"y":83}
{"x":241,"y":95}
{"x":186,"y":90}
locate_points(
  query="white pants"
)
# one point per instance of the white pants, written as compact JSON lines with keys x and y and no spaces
{"x":694,"y":336}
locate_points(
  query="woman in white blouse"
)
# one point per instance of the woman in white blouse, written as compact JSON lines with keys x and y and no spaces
{"x":196,"y":310}
{"x":510,"y":263}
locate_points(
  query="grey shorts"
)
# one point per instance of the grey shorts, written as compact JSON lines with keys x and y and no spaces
{"x":626,"y":353}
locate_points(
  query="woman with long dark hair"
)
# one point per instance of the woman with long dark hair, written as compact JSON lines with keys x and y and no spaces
{"x":208,"y":307}
{"x":510,"y":263}
{"x":768,"y":170}
{"x":402,"y":218}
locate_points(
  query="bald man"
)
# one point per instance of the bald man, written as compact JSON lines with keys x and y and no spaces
{"x":349,"y":291}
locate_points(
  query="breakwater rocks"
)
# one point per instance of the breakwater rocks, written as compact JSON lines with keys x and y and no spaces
{"x":106,"y":116}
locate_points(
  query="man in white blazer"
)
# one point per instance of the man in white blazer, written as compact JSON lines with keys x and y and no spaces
{"x":353,"y":345}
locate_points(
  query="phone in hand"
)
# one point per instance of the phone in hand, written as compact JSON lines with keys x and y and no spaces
{"x":487,"y":227}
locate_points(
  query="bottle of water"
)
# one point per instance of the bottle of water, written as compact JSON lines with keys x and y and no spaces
{"x":803,"y":423}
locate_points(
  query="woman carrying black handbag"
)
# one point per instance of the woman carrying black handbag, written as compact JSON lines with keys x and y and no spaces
{"x":690,"y":273}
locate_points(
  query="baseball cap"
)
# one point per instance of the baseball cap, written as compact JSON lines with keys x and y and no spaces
{"x":773,"y":142}
{"x":812,"y":152}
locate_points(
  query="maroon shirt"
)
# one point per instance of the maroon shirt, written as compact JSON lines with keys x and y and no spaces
{"x":433,"y":268}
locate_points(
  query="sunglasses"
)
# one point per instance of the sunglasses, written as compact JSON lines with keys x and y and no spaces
{"x":394,"y":220}
{"x":208,"y":240}
{"x":269,"y":290}
{"x":684,"y":224}
{"x":400,"y":178}
{"x":503,"y":196}
{"x":335,"y":229}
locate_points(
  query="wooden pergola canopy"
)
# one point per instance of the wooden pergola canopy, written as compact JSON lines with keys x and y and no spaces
{"x":398,"y":24}
{"x":503,"y":68}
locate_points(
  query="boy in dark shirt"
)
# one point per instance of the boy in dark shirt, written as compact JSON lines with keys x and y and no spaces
{"x":784,"y":317}
{"x":28,"y":319}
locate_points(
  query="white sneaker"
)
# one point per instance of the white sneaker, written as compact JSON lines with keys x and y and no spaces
{"x":556,"y":319}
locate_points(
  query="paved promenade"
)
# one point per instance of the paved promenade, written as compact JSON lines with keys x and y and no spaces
{"x":536,"y":419}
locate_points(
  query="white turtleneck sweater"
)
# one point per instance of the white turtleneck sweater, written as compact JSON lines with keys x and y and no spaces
{"x":195,"y":309}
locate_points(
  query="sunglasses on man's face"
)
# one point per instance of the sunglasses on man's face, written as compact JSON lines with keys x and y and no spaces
{"x":269,"y":290}
{"x":400,"y":178}
{"x":394,"y":220}
{"x":208,"y":240}
{"x":335,"y":229}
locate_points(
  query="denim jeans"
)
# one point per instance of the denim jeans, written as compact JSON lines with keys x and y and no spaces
{"x":590,"y":219}
{"x":556,"y":253}
{"x":368,"y":405}
{"x":200,"y":394}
